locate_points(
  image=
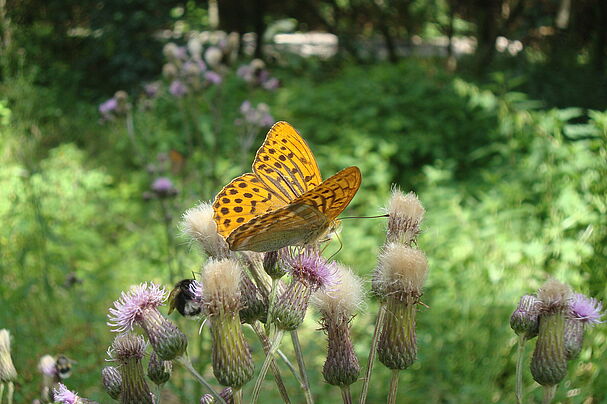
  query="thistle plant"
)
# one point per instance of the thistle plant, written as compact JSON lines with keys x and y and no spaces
{"x":525,"y":323}
{"x":337,"y":308}
{"x":397,"y":282}
{"x":47,"y":366}
{"x":8,"y":373}
{"x":127,"y":351}
{"x":558,"y":318}
{"x":198,"y":224}
{"x":232,"y":362}
{"x":549,"y":361}
{"x":140,"y":306}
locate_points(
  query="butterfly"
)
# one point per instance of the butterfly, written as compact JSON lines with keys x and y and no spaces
{"x":284,"y":201}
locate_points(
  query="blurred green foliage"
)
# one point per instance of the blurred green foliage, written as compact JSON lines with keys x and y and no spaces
{"x":514,"y":193}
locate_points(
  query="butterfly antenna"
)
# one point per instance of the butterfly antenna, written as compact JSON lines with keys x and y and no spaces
{"x":364,"y":217}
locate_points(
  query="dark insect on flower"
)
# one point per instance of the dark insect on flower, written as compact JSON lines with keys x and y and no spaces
{"x":184,"y":299}
{"x":63,"y":366}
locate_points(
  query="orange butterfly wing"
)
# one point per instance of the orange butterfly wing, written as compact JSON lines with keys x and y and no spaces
{"x":302,"y":221}
{"x":285,"y":163}
{"x":244,"y":198}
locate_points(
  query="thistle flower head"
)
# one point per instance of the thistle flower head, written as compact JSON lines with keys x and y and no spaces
{"x":524,"y":319}
{"x":554,"y":296}
{"x":344,"y":298}
{"x":198,"y":224}
{"x":126,"y":347}
{"x":311,"y":269}
{"x":405,"y":214}
{"x":129,"y":308}
{"x":46,"y":366}
{"x":221,"y":286}
{"x":401,"y":272}
{"x":586,"y":309}
{"x":64,"y":396}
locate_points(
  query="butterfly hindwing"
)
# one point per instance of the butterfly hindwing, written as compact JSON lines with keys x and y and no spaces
{"x":293,"y":224}
{"x":243,"y":199}
{"x":285,"y":163}
{"x":334,"y":194}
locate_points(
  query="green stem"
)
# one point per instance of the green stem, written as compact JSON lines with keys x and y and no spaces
{"x":9,"y":396}
{"x":237,"y":395}
{"x":345,"y":394}
{"x":393,"y":386}
{"x":378,"y":325}
{"x":266,"y":365}
{"x":166,"y":217}
{"x":1,"y":391}
{"x":302,"y":367}
{"x":549,"y":392}
{"x":157,"y":390}
{"x":185,"y":362}
{"x":520,"y":355}
{"x":273,"y":366}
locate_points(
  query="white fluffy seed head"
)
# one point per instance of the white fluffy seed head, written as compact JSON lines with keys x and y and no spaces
{"x":406,"y":205}
{"x":405,"y":215}
{"x":344,"y":298}
{"x":198,"y":224}
{"x":554,"y":295}
{"x":402,"y":270}
{"x":220,"y":280}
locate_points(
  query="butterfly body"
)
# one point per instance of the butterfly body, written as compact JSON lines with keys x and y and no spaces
{"x":284,"y":201}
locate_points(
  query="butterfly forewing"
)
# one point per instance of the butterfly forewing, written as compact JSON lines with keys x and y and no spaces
{"x":334,"y":194}
{"x":285,"y":163}
{"x":243,"y":199}
{"x":294,"y":224}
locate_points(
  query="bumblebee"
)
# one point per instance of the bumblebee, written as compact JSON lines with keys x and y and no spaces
{"x":183,"y":299}
{"x":63,"y":366}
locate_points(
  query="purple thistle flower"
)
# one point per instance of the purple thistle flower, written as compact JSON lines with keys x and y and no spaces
{"x":586,"y":309}
{"x":131,"y":305}
{"x":162,"y":185}
{"x":244,"y":71}
{"x":108,"y":106}
{"x":271,"y":84}
{"x":177,"y":89}
{"x":151,"y":89}
{"x":65,"y":396}
{"x":311,"y":269}
{"x":245,"y":107}
{"x":212,"y":77}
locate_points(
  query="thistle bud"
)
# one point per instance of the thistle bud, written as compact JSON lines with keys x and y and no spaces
{"x":337,"y":307}
{"x":8,"y":373}
{"x":128,"y":350}
{"x":253,"y":306}
{"x":270,"y":265}
{"x":524,"y":320}
{"x":549,"y":361}
{"x":159,"y":371}
{"x":112,"y":381}
{"x":400,"y":277}
{"x":198,"y":224}
{"x":232,"y":362}
{"x":140,"y":306}
{"x":226,"y":394}
{"x":405,"y":215}
{"x":310,"y":273}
